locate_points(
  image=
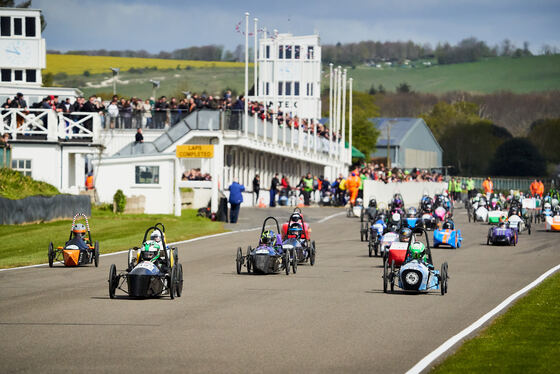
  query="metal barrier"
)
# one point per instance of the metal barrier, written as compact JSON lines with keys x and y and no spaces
{"x":152,"y":119}
{"x":506,"y":184}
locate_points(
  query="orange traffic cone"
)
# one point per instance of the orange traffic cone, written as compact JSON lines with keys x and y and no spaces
{"x":300,"y":202}
{"x":261,"y":203}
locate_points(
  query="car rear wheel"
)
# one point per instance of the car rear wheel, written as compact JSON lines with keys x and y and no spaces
{"x":179,"y":285}
{"x":172,"y":282}
{"x":112,"y":281}
{"x":287,"y":262}
{"x":249,"y":249}
{"x":313,"y":251}
{"x":385,"y":276}
{"x":239,"y":260}
{"x":294,"y":261}
{"x":392,"y":276}
{"x":51,"y":254}
{"x":96,"y":254}
{"x":370,"y":245}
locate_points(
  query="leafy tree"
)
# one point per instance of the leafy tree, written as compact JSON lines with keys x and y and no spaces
{"x":545,"y":135}
{"x":444,"y":114}
{"x":48,"y":80}
{"x":470,"y":147}
{"x":372,"y":90}
{"x":403,"y":88}
{"x":518,"y":157}
{"x":381,"y":89}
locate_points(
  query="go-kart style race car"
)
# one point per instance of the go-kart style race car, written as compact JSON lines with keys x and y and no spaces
{"x":297,"y":216}
{"x":268,"y":257}
{"x":448,"y":235}
{"x":391,"y":235}
{"x":411,"y":267}
{"x":495,"y":216}
{"x":375,"y":234}
{"x":518,"y":222}
{"x":502,"y":234}
{"x":153,"y":269}
{"x":297,"y":242}
{"x":78,"y":250}
{"x":552,"y":223}
{"x":355,"y":210}
{"x":411,"y":219}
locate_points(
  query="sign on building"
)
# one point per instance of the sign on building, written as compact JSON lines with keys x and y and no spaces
{"x":195,"y":151}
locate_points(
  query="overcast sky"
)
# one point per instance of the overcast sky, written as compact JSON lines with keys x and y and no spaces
{"x":171,"y":24}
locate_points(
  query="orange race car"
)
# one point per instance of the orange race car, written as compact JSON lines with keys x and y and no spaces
{"x":78,"y":250}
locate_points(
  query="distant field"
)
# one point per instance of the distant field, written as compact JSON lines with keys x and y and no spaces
{"x":77,"y":64}
{"x":520,"y":75}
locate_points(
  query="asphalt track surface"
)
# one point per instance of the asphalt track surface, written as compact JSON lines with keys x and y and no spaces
{"x":333,"y":317}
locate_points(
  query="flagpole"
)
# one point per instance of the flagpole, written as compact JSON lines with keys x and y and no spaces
{"x":246,"y":116}
{"x":255,"y":89}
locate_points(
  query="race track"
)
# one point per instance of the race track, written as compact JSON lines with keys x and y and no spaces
{"x":333,"y":317}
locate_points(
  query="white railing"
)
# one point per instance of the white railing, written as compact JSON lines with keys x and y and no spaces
{"x":49,"y":125}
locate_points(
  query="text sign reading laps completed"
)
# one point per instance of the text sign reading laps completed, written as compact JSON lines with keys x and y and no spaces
{"x":195,"y":151}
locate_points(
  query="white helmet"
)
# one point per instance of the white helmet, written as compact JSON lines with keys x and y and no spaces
{"x":547,"y":206}
{"x":156,"y":236}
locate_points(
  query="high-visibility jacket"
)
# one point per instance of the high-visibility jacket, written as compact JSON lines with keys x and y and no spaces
{"x":308,"y":184}
{"x":89,"y":182}
{"x":458,"y":187}
{"x":450,"y":186}
{"x":342,"y":185}
{"x":534,"y":188}
{"x":362,"y":179}
{"x":470,"y":184}
{"x":488,"y":186}
{"x":540,"y":191}
{"x":353,"y":183}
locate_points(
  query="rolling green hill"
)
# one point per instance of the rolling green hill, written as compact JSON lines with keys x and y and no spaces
{"x":520,"y":75}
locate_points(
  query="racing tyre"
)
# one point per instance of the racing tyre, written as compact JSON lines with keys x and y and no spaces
{"x":313,"y":251}
{"x":385,"y":276}
{"x":96,"y":254}
{"x":529,"y":229}
{"x":249,"y":265}
{"x":51,"y":254}
{"x":172,"y":282}
{"x":442,"y":279}
{"x":370,"y":245}
{"x":239,"y":260}
{"x":294,"y":261}
{"x":175,"y":256}
{"x":392,"y":276}
{"x":112,"y":281}
{"x":179,"y":286}
{"x":287,"y":262}
{"x":130,"y":259}
{"x":376,"y":248}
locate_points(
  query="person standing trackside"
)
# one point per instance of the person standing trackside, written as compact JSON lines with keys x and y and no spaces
{"x":458,"y":189}
{"x":470,"y":187}
{"x":451,"y":188}
{"x":488,"y":186}
{"x":235,"y":200}
{"x":256,"y":187}
{"x":273,"y":190}
{"x":307,"y":187}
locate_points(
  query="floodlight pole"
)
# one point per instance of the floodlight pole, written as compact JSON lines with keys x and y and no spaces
{"x":115,"y":75}
{"x":246,"y":114}
{"x":350,"y":119}
{"x":330,"y":108}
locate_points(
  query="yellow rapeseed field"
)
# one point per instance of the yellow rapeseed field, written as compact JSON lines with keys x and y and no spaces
{"x":77,"y":64}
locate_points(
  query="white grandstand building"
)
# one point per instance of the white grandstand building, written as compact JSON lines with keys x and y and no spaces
{"x":61,"y":148}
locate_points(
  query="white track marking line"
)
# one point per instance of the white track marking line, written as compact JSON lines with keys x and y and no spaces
{"x":331,"y":216}
{"x":423,"y":364}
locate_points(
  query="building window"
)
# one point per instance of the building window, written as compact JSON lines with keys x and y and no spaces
{"x":310,"y":53}
{"x":23,"y":166}
{"x":5,"y":26}
{"x":6,"y":75}
{"x":281,"y":51}
{"x":296,"y":88}
{"x":147,"y":174}
{"x":267,"y":53}
{"x":288,"y":52}
{"x":309,"y":89}
{"x":288,"y":88}
{"x":267,"y":89}
{"x":30,"y":26}
{"x":280,"y":84}
{"x":296,"y":52}
{"x":18,"y":26}
{"x":18,"y":75}
{"x":31,"y":75}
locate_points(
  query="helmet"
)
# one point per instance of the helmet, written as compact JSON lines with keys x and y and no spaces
{"x":513,"y":211}
{"x":296,"y":217}
{"x":79,"y":230}
{"x":405,"y":234}
{"x":449,"y":224}
{"x":268,"y":237}
{"x":295,"y":229}
{"x":412,"y":212}
{"x":382,"y":217}
{"x":547,"y":206}
{"x":396,"y":217}
{"x":156,"y":236}
{"x":359,"y":201}
{"x":372,"y":203}
{"x":151,"y":246}
{"x":417,"y":249}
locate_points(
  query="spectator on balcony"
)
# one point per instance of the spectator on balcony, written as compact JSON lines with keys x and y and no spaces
{"x":19,"y":103}
{"x":160,"y":115}
{"x":113,"y":113}
{"x":4,"y":141}
{"x":137,"y":112}
{"x":147,"y":112}
{"x":89,"y":106}
{"x":139,"y":137}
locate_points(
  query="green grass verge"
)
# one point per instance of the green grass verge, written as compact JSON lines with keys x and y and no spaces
{"x":526,"y":339}
{"x":28,"y":244}
{"x":14,"y":185}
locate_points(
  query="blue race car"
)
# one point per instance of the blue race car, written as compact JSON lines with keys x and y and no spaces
{"x":412,"y":218}
{"x":448,"y":235}
{"x":269,"y":256}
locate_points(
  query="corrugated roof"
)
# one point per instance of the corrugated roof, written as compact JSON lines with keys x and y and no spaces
{"x":399,"y":128}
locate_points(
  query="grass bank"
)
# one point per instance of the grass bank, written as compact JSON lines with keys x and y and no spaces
{"x":14,"y":185}
{"x":526,"y":339}
{"x":28,"y":244}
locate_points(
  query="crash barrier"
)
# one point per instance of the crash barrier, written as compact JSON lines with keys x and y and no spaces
{"x":5,"y":157}
{"x":506,"y":184}
{"x":42,"y":208}
{"x":46,"y":124}
{"x":411,"y":191}
{"x":200,"y":195}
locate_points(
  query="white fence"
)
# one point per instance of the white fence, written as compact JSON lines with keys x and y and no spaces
{"x":46,"y":124}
